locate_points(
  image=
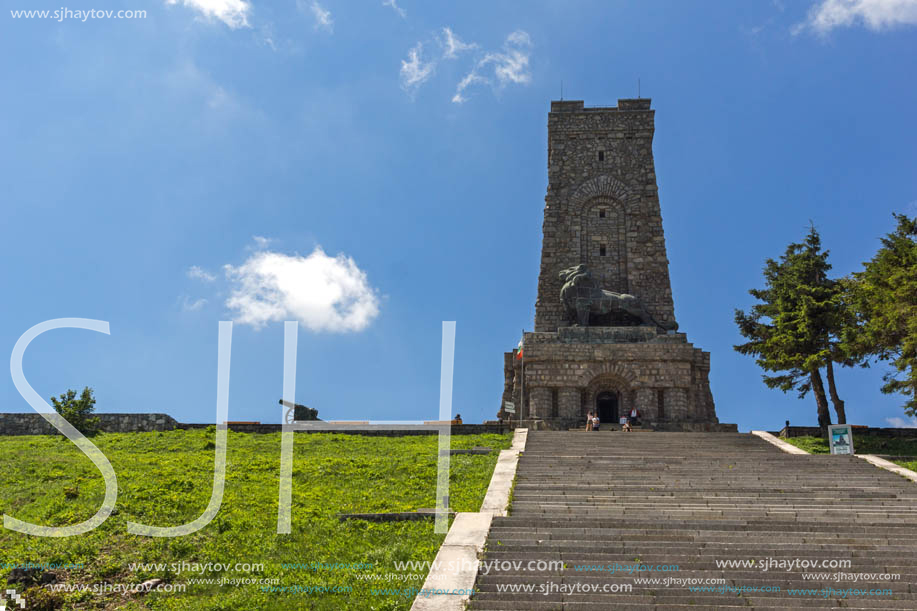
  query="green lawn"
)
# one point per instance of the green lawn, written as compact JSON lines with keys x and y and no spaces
{"x":862,"y":445}
{"x":865,"y":445}
{"x":907,"y":464}
{"x":812,"y":445}
{"x":165,"y":479}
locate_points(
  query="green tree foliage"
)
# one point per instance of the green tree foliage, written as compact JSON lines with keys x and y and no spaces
{"x":884,"y":297}
{"x":798,"y":326}
{"x":78,"y":411}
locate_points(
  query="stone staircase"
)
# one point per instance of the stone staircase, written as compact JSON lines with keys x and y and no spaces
{"x":690,"y":499}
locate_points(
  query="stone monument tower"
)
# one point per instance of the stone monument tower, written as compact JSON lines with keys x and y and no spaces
{"x":605,"y":336}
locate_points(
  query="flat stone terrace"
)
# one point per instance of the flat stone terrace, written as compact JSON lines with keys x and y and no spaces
{"x":690,"y":499}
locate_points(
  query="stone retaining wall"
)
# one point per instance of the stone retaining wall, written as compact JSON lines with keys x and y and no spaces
{"x":858,"y":431}
{"x":35,"y":424}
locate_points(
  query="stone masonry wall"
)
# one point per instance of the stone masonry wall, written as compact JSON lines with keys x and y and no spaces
{"x":602,"y":207}
{"x":34,"y":424}
{"x":858,"y":431}
{"x":563,"y":376}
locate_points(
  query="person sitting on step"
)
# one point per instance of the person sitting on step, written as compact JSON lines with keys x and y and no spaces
{"x":595,"y":422}
{"x":626,"y":427}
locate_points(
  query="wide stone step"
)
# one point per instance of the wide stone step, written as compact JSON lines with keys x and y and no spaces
{"x":867,"y":560}
{"x":736,"y":578}
{"x":744,"y":604}
{"x":639,"y":523}
{"x":725,"y":550}
{"x":593,"y":602}
{"x":558,"y":590}
{"x":691,"y":499}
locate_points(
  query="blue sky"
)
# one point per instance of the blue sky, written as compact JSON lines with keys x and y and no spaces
{"x":263,"y":161}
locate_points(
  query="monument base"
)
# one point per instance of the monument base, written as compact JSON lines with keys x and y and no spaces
{"x":609,"y":371}
{"x":667,"y":427}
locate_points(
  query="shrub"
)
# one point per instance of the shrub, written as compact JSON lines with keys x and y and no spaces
{"x":78,"y":411}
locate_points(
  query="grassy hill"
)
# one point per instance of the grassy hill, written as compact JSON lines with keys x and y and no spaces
{"x":165,"y":479}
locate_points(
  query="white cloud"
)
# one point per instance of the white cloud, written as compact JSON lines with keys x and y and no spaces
{"x":900,"y":423}
{"x":324,"y":293}
{"x":510,"y":66}
{"x":876,"y":15}
{"x":453,"y":45}
{"x":261,"y":242}
{"x":322,"y":16}
{"x":198,"y":273}
{"x":220,"y":99}
{"x":204,"y":102}
{"x":189,"y":305}
{"x":267,"y":36}
{"x":233,"y":13}
{"x":470,"y":78}
{"x":395,"y":7}
{"x":414,"y":72}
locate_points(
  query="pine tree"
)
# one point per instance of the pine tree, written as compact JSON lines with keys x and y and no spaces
{"x":796,"y":329}
{"x":884,"y":296}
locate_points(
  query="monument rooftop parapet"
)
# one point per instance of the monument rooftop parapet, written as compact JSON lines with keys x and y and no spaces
{"x":624,"y":105}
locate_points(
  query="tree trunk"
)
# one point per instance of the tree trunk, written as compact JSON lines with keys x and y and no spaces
{"x":835,"y":399}
{"x":818,"y":389}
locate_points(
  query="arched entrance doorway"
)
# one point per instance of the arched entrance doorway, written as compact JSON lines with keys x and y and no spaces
{"x":606,"y":405}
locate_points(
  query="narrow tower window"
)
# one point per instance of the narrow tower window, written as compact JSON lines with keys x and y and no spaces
{"x":602,"y":213}
{"x":601,"y":155}
{"x":601,"y":250}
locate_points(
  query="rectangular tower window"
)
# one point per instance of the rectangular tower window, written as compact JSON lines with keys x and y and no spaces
{"x":555,"y":408}
{"x":660,"y":404}
{"x":602,"y":213}
{"x":601,"y":155}
{"x":601,"y":250}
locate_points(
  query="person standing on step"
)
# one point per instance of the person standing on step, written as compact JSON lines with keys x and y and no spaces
{"x":595,"y":422}
{"x":589,"y":421}
{"x":634,"y":416}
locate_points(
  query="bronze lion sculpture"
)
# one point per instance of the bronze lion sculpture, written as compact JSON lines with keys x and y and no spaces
{"x":582,"y":297}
